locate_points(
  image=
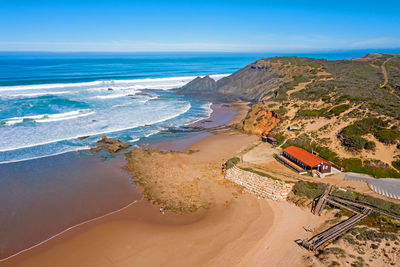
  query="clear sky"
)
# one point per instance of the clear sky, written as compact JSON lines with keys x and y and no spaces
{"x":250,"y":26}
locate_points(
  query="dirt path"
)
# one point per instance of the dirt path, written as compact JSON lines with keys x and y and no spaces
{"x":384,"y":72}
{"x":299,"y":87}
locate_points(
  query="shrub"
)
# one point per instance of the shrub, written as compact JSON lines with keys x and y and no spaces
{"x":396,"y":164}
{"x":381,"y":204}
{"x":352,"y":130}
{"x":309,"y":189}
{"x":281,"y":111}
{"x":354,"y":142}
{"x":311,"y":112}
{"x":232,"y":162}
{"x":370,"y":145}
{"x":366,"y":234}
{"x":336,"y":111}
{"x":387,"y":135}
{"x":351,"y":135}
{"x":280,"y":138}
{"x":370,"y":124}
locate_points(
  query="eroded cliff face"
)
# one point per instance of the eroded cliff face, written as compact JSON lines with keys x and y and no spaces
{"x":251,"y":82}
{"x":259,"y":120}
{"x":254,"y":82}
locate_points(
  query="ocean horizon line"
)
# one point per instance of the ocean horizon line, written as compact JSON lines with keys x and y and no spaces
{"x":305,"y":51}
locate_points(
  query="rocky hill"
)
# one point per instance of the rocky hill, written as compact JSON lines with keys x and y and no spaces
{"x":349,"y":109}
{"x":202,"y":87}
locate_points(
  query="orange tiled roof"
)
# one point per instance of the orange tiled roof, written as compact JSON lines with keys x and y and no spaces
{"x":304,"y":156}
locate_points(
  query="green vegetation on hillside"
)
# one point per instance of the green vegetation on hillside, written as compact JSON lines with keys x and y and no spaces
{"x":358,"y":82}
{"x":284,"y":88}
{"x":337,"y":110}
{"x":396,"y":164}
{"x":307,"y":113}
{"x":299,"y":61}
{"x":351,"y":138}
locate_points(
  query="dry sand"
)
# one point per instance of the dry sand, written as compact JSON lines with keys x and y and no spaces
{"x":237,"y":229}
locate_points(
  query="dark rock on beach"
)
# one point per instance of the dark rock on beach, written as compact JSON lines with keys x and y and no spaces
{"x":110,"y":144}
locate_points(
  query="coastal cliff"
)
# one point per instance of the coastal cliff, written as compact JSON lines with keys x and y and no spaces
{"x":348,"y":108}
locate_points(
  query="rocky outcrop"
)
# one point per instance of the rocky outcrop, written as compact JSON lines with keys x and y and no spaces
{"x":251,"y":82}
{"x":201,"y":87}
{"x":259,"y":185}
{"x":259,"y":120}
{"x":110,"y":144}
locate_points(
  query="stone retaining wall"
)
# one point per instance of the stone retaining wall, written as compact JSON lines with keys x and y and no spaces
{"x":262,"y":186}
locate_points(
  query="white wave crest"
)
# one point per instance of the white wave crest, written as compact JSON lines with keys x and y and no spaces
{"x":208,"y":111}
{"x":148,"y":83}
{"x":31,"y":95}
{"x":186,"y":109}
{"x":50,"y":117}
{"x":111,"y":96}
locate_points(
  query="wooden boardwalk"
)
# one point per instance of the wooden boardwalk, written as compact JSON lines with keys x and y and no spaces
{"x":319,"y":240}
{"x":360,"y":206}
{"x":320,"y":204}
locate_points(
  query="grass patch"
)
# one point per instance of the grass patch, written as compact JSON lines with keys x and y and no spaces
{"x":380,"y":204}
{"x":311,"y":113}
{"x":280,"y":138}
{"x":351,"y":136}
{"x":337,"y":110}
{"x":281,"y":110}
{"x":383,"y":223}
{"x":230,"y":163}
{"x":309,"y":189}
{"x":374,"y":168}
{"x":396,"y":164}
{"x":365,"y":234}
{"x":387,"y":136}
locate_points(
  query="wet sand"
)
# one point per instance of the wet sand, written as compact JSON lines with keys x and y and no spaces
{"x":222,"y":115}
{"x":40,"y":198}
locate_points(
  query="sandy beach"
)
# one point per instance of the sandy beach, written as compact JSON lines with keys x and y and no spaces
{"x":235,"y":228}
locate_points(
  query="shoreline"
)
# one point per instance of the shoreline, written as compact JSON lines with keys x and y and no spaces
{"x":215,"y":117}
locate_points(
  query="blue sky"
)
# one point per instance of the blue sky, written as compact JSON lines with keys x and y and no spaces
{"x":230,"y":26}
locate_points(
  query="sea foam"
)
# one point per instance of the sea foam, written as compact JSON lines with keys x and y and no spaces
{"x":50,"y":117}
{"x":148,"y":83}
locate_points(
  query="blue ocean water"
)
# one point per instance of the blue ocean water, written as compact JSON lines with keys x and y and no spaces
{"x":49,"y":100}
